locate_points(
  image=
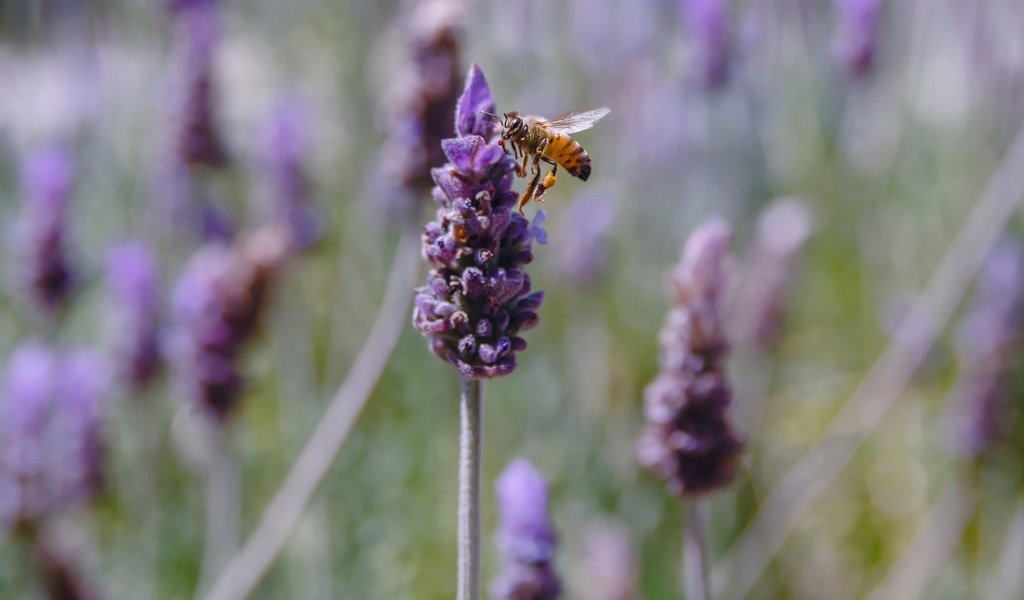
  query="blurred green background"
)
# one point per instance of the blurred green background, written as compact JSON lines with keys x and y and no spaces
{"x":889,"y":162}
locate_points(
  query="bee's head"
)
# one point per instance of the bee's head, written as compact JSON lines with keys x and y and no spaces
{"x":512,"y":126}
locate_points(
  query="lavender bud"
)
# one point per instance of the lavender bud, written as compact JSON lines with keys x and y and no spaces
{"x":216,"y":308}
{"x":782,"y":231}
{"x":50,"y":440}
{"x":133,"y":281}
{"x":856,"y":34}
{"x":424,"y":96}
{"x":586,"y":235}
{"x":988,"y":342}
{"x":688,"y":440}
{"x":708,"y":29}
{"x":197,"y":32}
{"x":41,"y":264}
{"x":476,"y":247}
{"x":287,"y":144}
{"x":526,"y":539}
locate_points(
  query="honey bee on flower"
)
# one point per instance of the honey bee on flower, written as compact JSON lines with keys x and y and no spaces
{"x":547,"y":140}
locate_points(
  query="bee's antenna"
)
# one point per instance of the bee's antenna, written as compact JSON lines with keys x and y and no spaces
{"x":489,"y":114}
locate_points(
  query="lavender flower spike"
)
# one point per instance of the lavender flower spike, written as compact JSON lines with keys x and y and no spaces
{"x":782,"y":230}
{"x":708,"y":28}
{"x":688,"y":440}
{"x":198,"y":29}
{"x":477,"y":299}
{"x":216,"y":308}
{"x":424,"y":95}
{"x":50,"y":440}
{"x":526,"y":540}
{"x":857,"y":34}
{"x":42,"y":268}
{"x":286,"y":146}
{"x":133,"y":281}
{"x":989,"y":341}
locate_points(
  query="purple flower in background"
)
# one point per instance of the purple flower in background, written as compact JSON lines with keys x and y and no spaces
{"x":51,"y":447}
{"x":526,"y":539}
{"x":707,"y":25}
{"x":286,"y":148}
{"x":688,"y":440}
{"x":424,"y":96}
{"x":988,"y":343}
{"x":197,"y":32}
{"x":782,"y":231}
{"x":477,"y":299}
{"x":585,"y":237}
{"x":41,"y":264}
{"x":856,"y":34}
{"x":216,"y":308}
{"x":133,"y":281}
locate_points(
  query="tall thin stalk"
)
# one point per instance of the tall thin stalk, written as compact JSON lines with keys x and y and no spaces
{"x":222,"y":507}
{"x":470,"y":437}
{"x":246,"y":568}
{"x":695,"y":558}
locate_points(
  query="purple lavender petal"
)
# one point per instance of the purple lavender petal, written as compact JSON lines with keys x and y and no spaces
{"x":475,"y":100}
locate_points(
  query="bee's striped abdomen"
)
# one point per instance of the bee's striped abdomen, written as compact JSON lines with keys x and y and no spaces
{"x":568,"y":153}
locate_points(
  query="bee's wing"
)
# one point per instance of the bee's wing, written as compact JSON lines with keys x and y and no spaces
{"x":576,"y":121}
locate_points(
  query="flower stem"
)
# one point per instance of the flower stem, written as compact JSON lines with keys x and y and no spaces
{"x":222,"y":502}
{"x":695,"y":560}
{"x":246,"y":568}
{"x":470,"y":436}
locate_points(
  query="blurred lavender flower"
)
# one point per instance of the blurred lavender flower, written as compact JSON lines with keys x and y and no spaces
{"x":51,"y":447}
{"x":688,"y":440}
{"x":133,"y":281}
{"x":216,"y":308}
{"x":585,"y":237}
{"x":707,"y":25}
{"x":526,"y":539}
{"x":424,"y":95}
{"x":197,"y":32}
{"x":782,"y":230}
{"x":608,"y":564}
{"x":477,"y":299}
{"x":989,"y":344}
{"x":856,"y":34}
{"x":285,"y":149}
{"x":41,"y":264}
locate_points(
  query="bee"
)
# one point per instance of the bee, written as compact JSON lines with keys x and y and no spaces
{"x":547,"y":140}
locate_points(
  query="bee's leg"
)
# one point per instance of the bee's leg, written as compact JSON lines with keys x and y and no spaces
{"x":521,"y":170}
{"x":549,"y":180}
{"x":528,"y":192}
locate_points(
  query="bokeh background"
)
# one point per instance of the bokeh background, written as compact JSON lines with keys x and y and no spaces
{"x":880,"y":122}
